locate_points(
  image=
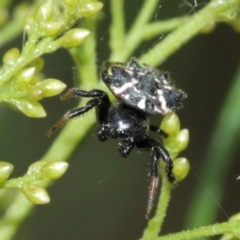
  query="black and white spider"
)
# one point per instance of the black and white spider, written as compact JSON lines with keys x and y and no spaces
{"x":142,"y":91}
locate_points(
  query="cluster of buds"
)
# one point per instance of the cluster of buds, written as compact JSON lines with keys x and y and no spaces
{"x":26,"y":88}
{"x":49,"y":27}
{"x":30,"y":184}
{"x":49,"y":20}
{"x":41,"y":170}
{"x":175,"y":143}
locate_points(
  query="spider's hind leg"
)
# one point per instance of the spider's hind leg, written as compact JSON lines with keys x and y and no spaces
{"x":157,"y":151}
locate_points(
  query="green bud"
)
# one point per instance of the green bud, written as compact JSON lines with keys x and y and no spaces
{"x":29,"y":22}
{"x":29,"y":107}
{"x":70,"y":4}
{"x":235,"y":217}
{"x":182,"y":139}
{"x":51,"y":87}
{"x":38,"y":64}
{"x":178,"y":143}
{"x":5,"y":171}
{"x":35,"y":93}
{"x":36,"y":194}
{"x":74,"y":37}
{"x":44,"y":11}
{"x":36,"y":167}
{"x":51,"y":28}
{"x":181,"y":168}
{"x":53,"y":170}
{"x":91,"y":9}
{"x":170,"y":124}
{"x":25,"y":76}
{"x":35,"y":80}
{"x":11,"y":56}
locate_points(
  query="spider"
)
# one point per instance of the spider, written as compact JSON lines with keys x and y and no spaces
{"x":142,"y":92}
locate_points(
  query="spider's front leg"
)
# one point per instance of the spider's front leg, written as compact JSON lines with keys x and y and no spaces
{"x":157,"y":151}
{"x":101,"y":101}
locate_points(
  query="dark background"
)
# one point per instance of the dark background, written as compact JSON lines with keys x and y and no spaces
{"x":103,"y":196}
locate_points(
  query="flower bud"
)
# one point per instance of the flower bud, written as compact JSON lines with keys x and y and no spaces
{"x":51,"y":87}
{"x":182,"y":139}
{"x":29,"y":22}
{"x":36,"y":194}
{"x":91,"y":9}
{"x":36,"y":167}
{"x":25,"y":76}
{"x":74,"y":37}
{"x":29,"y":107}
{"x":170,"y":124}
{"x":44,"y":11}
{"x":11,"y":56}
{"x":69,"y":4}
{"x":53,"y":170}
{"x":38,"y":64}
{"x":178,"y":143}
{"x":181,"y":168}
{"x":35,"y":80}
{"x":5,"y":171}
{"x":35,"y":93}
{"x":51,"y":28}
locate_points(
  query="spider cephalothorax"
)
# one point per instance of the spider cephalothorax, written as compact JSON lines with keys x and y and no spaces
{"x":141,"y":91}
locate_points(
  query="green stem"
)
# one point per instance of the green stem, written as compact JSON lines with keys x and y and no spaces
{"x":122,"y":52}
{"x":31,"y":51}
{"x":209,"y":14}
{"x":85,"y":58}
{"x":213,"y":230}
{"x":117,"y":29}
{"x":155,"y":224}
{"x":156,"y":28}
{"x":148,"y":32}
{"x":223,"y":144}
{"x":15,"y":214}
{"x":61,"y":149}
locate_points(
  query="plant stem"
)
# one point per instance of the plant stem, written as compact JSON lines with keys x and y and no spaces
{"x":213,"y":230}
{"x":117,"y":29}
{"x":210,"y":14}
{"x":61,"y":149}
{"x":155,"y":224}
{"x":122,"y":52}
{"x":222,"y":146}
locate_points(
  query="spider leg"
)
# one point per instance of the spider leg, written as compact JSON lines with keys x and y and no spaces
{"x":126,"y":147}
{"x":102,"y":107}
{"x":157,"y":151}
{"x":75,"y":92}
{"x":72,"y":114}
{"x":101,"y":101}
{"x":158,"y":131}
